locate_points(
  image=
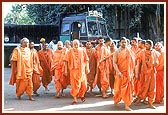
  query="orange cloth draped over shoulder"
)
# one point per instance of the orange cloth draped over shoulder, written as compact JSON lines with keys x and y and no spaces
{"x":92,"y":66}
{"x":21,"y":71}
{"x":112,"y":71}
{"x":98,"y":53}
{"x":147,"y":60}
{"x":37,"y":70}
{"x":58,"y":65}
{"x":138,"y":79}
{"x":160,"y":79}
{"x":104,"y":66}
{"x":45,"y":58}
{"x":77,"y":64}
{"x":123,"y":86}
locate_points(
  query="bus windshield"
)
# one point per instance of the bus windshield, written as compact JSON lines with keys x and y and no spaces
{"x":82,"y":26}
{"x":103,"y":29}
{"x":96,"y":28}
{"x":65,"y":28}
{"x":92,"y":28}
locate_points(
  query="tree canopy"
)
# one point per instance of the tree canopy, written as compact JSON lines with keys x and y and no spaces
{"x":122,"y":19}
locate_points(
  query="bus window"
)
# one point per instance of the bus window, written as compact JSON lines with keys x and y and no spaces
{"x":75,"y":26}
{"x":83,"y":28}
{"x":65,"y":28}
{"x":92,"y":28}
{"x":103,"y":29}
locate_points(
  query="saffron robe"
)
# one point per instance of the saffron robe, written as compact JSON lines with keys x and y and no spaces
{"x":160,"y":79}
{"x":21,"y":71}
{"x":58,"y":65}
{"x":148,"y":60}
{"x":78,"y":66}
{"x":45,"y":58}
{"x":92,"y":66}
{"x":123,"y":86}
{"x":98,"y":52}
{"x":37,"y":70}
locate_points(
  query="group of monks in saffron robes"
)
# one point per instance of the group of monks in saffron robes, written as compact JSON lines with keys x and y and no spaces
{"x":129,"y":71}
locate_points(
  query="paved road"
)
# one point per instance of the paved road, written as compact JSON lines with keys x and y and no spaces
{"x":47,"y":103}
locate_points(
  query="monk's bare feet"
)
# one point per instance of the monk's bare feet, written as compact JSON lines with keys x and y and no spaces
{"x":128,"y":108}
{"x":137,"y":102}
{"x":19,"y":97}
{"x":35,"y":93}
{"x":74,"y":102}
{"x":31,"y":99}
{"x":58,"y":95}
{"x":63,"y":94}
{"x":91,"y":94}
{"x":105,"y":96}
{"x":152,"y":106}
{"x":115,"y":104}
{"x":111,"y":94}
{"x":145,"y":102}
{"x":83,"y":99}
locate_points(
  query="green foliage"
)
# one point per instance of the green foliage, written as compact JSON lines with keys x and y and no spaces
{"x":113,"y":13}
{"x":49,"y":13}
{"x":18,"y":16}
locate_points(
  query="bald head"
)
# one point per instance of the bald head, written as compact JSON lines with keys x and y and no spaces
{"x":24,"y":40}
{"x":158,"y":46}
{"x":76,"y":43}
{"x":67,"y":44}
{"x":60,"y":45}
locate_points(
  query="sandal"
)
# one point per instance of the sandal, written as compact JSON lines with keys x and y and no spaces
{"x":74,"y":103}
{"x":83,"y":99}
